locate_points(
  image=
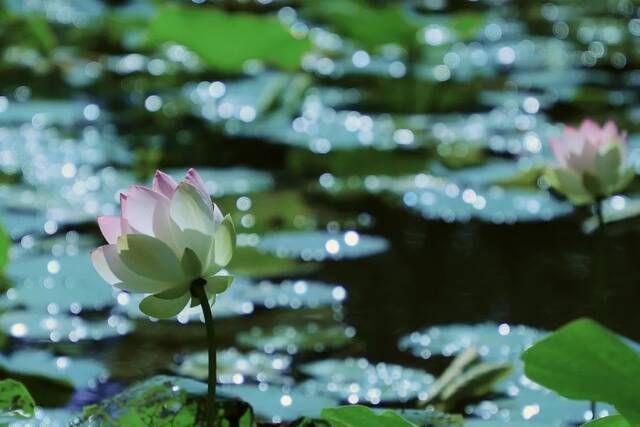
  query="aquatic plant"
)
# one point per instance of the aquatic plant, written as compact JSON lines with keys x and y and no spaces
{"x":170,"y":242}
{"x":591,"y":162}
{"x":585,"y":361}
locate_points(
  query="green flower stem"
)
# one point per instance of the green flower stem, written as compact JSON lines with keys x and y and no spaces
{"x":600,"y":267}
{"x":197,"y":290}
{"x":599,"y":270}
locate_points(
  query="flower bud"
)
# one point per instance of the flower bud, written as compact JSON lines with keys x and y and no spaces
{"x":591,"y":162}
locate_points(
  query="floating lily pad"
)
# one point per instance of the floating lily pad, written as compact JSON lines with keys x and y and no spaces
{"x":246,"y":100}
{"x":292,"y":340}
{"x":235,"y":367}
{"x":534,"y":405}
{"x":257,"y":37}
{"x":70,"y":243}
{"x":230,"y":181}
{"x":270,"y":211}
{"x":358,"y":380}
{"x":64,"y":284}
{"x":49,"y":418}
{"x":15,"y":402}
{"x":490,"y":173}
{"x":248,"y":261}
{"x":20,"y":223}
{"x":58,"y":112}
{"x":76,"y":373}
{"x":67,"y":12}
{"x":362,"y":415}
{"x":277,"y":404}
{"x":429,"y":417}
{"x":35,"y":326}
{"x":324,"y":130}
{"x":291,"y":294}
{"x":243,"y":296}
{"x":494,"y":342}
{"x":159,"y":401}
{"x":450,"y":202}
{"x":227,"y":305}
{"x":320,"y":246}
{"x":505,"y":423}
{"x":614,"y":209}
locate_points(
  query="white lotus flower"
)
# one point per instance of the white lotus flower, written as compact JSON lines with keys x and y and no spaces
{"x":167,"y":237}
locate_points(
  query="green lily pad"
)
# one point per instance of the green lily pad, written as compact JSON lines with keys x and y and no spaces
{"x":54,"y":112}
{"x":489,"y":173}
{"x":15,"y":402}
{"x":356,"y":415}
{"x":292,"y":340}
{"x":320,"y":246}
{"x":494,"y":342}
{"x":499,"y":205}
{"x":230,"y":181}
{"x":276,"y":404}
{"x":358,"y":380}
{"x":356,"y":18}
{"x":40,"y":364}
{"x":243,"y":296}
{"x":36,"y":326}
{"x":526,"y":403}
{"x":235,"y":367}
{"x":17,"y":224}
{"x":346,"y":132}
{"x":614,"y":209}
{"x":226,"y":306}
{"x":428,"y":417}
{"x":611,"y":421}
{"x":290,"y":294}
{"x":206,"y":31}
{"x":48,"y":417}
{"x":64,"y":284}
{"x":161,"y":401}
{"x":238,"y":104}
{"x":248,"y":261}
{"x":270,"y":211}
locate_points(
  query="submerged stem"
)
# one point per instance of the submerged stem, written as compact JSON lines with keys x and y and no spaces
{"x":197,"y":290}
{"x":597,"y":207}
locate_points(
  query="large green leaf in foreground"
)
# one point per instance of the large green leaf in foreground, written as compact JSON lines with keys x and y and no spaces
{"x":585,"y":361}
{"x":612,"y":421}
{"x":360,"y":416}
{"x":15,"y":402}
{"x":227,"y":40}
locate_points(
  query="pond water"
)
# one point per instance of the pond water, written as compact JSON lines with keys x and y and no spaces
{"x":386,"y":192}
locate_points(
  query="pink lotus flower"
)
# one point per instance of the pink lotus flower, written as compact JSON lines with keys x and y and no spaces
{"x":167,"y":237}
{"x":591,"y":162}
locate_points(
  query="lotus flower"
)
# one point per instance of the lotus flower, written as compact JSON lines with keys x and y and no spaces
{"x":591,"y":162}
{"x":167,"y":237}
